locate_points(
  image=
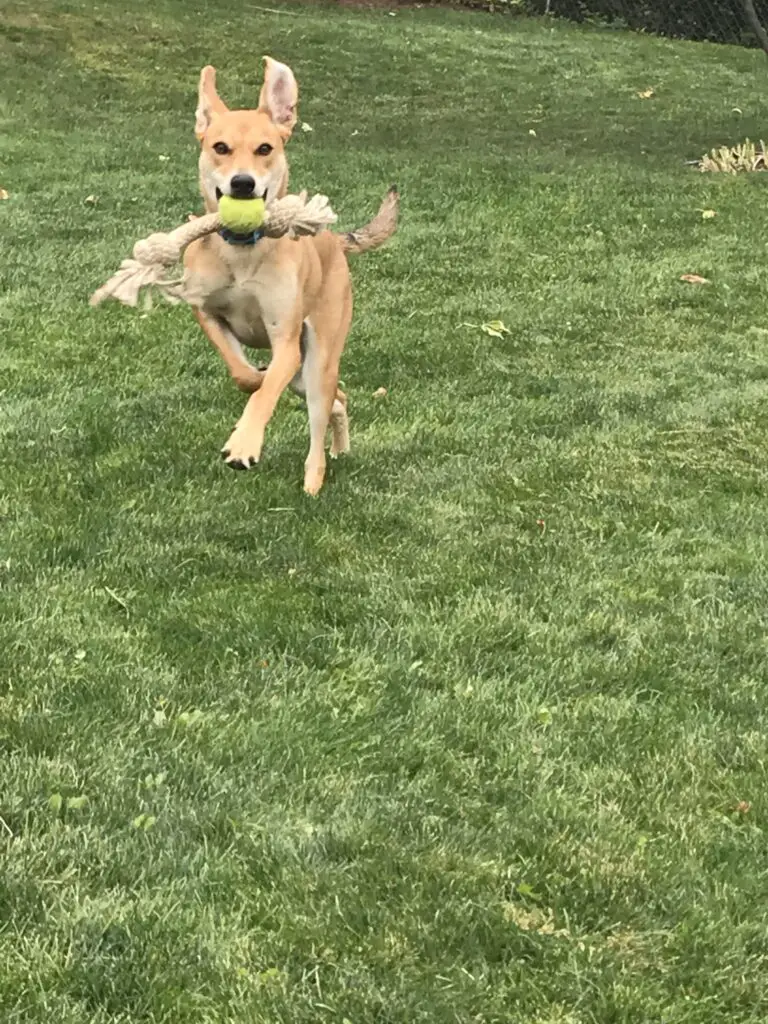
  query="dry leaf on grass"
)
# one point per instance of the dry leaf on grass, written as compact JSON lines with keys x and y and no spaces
{"x":694,"y":279}
{"x":306,"y":127}
{"x":91,"y":200}
{"x":493,"y":328}
{"x":4,"y":194}
{"x":708,"y":214}
{"x":380,"y":393}
{"x":646,"y":94}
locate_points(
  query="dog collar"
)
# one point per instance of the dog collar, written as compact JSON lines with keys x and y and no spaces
{"x":235,"y":239}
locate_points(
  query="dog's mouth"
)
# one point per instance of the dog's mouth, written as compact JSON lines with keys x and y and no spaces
{"x":263,"y":196}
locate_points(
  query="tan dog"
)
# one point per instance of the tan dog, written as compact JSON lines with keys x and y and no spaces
{"x":292,"y":296}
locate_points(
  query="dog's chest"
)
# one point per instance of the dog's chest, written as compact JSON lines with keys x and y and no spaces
{"x":252,"y":292}
{"x":241,"y":298}
{"x":240,"y":304}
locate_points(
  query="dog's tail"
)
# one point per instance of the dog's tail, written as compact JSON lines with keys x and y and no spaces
{"x":377,"y":231}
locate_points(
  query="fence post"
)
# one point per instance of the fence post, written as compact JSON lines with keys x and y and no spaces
{"x":754,"y":21}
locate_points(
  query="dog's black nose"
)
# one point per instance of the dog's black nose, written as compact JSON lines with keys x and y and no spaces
{"x":241,"y":186}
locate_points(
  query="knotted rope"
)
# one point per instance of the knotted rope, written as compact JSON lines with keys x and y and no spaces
{"x":291,"y":215}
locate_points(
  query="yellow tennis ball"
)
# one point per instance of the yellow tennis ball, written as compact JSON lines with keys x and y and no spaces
{"x":241,"y":215}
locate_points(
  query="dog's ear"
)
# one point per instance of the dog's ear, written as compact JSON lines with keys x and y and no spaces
{"x":279,"y":95}
{"x":208,"y":102}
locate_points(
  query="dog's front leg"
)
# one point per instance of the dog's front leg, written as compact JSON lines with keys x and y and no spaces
{"x":243,"y":449}
{"x":246,"y":376}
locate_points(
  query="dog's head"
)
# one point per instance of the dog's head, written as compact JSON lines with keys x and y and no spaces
{"x":243,"y":151}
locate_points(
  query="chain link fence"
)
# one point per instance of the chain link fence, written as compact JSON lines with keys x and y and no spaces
{"x":721,"y":21}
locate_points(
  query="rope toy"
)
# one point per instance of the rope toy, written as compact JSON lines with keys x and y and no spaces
{"x":291,"y":215}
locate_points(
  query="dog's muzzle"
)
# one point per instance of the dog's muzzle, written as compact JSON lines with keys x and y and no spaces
{"x":242,"y":186}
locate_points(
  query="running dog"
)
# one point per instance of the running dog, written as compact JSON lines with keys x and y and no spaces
{"x":292,"y":296}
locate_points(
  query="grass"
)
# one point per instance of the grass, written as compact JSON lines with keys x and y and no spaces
{"x":480,"y":735}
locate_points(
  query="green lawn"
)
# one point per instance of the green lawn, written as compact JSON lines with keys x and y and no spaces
{"x":480,"y":735}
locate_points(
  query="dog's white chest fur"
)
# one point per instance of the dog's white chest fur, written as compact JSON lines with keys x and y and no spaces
{"x":241,"y":307}
{"x":250,"y":295}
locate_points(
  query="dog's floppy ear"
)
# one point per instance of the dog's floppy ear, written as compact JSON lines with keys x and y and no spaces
{"x":279,"y":95}
{"x":208,"y":102}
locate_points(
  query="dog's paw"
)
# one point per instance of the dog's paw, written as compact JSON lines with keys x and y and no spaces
{"x":339,"y":447}
{"x":234,"y":463}
{"x":313,"y":480}
{"x":242,"y":450}
{"x":249,"y":379}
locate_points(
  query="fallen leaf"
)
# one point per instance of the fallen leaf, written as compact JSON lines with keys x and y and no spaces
{"x":4,"y":194}
{"x":743,"y":807}
{"x":708,"y":214}
{"x":526,"y":890}
{"x":495,"y":328}
{"x":694,"y":279}
{"x":354,"y":133}
{"x":306,"y":127}
{"x":380,"y":393}
{"x":736,"y":110}
{"x":163,"y":158}
{"x":532,"y":131}
{"x":91,"y":199}
{"x":646,"y":94}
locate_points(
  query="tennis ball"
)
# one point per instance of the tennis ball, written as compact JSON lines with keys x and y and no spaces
{"x":241,"y":215}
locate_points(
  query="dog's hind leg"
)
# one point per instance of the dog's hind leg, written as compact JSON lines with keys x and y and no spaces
{"x":338,"y":416}
{"x":326,"y":405}
{"x":339,"y":425}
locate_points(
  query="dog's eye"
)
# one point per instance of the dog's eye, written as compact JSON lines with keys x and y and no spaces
{"x":264,"y":149}
{"x":221,"y":148}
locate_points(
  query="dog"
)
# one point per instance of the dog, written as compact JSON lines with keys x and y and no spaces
{"x":292,"y":296}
